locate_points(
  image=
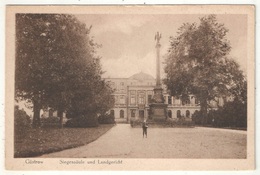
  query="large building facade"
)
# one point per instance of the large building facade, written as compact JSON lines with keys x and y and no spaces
{"x":134,"y":94}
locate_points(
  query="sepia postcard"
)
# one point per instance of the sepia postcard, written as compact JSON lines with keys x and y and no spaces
{"x":140,"y":87}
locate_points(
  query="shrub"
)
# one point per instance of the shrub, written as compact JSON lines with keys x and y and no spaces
{"x":106,"y":119}
{"x":235,"y":113}
{"x":197,"y":117}
{"x":183,"y":122}
{"x":172,"y":121}
{"x":232,"y":114}
{"x":82,"y":122}
{"x":22,"y":122}
{"x":135,"y":122}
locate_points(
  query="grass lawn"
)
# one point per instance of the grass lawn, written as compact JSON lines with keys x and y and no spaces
{"x":35,"y":142}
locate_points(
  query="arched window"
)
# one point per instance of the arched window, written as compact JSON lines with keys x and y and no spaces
{"x":112,"y":113}
{"x":121,"y":113}
{"x":187,"y":113}
{"x":132,"y":112}
{"x":178,"y":114}
{"x":169,"y":113}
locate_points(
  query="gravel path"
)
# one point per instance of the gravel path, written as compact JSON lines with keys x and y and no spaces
{"x":122,"y":141}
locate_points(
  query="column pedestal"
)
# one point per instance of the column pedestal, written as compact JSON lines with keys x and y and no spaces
{"x":158,"y":110}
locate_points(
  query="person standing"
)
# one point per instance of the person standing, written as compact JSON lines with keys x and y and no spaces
{"x":144,"y":126}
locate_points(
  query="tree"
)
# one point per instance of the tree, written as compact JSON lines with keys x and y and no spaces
{"x":97,"y":101}
{"x":56,"y":64}
{"x":22,"y":121}
{"x":32,"y":65}
{"x":197,"y":63}
{"x":75,"y":66}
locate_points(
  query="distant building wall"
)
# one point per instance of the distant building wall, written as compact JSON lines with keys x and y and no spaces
{"x":133,"y":96}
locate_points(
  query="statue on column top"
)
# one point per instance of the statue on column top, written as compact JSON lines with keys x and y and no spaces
{"x":157,"y":37}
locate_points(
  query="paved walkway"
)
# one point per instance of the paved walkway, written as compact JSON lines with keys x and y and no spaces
{"x":122,"y":141}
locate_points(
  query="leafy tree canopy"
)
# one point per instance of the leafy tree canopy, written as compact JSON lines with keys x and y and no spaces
{"x":197,"y":63}
{"x":56,"y":63}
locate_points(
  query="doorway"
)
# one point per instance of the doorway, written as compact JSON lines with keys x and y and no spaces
{"x":141,"y":114}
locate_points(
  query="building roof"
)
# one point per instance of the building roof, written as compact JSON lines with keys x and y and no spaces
{"x":141,"y":76}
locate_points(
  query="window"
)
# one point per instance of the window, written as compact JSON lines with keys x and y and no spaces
{"x":121,"y":87}
{"x":122,"y":99}
{"x":141,"y":100}
{"x":177,"y":101}
{"x":178,"y":114}
{"x":121,"y":113}
{"x":116,"y":99}
{"x":173,"y":101}
{"x":169,"y":100}
{"x":132,"y":112}
{"x":169,"y":113}
{"x":186,"y":102}
{"x":141,"y":97}
{"x":141,"y":114}
{"x":187,"y":113}
{"x":149,"y":98}
{"x":132,"y":97}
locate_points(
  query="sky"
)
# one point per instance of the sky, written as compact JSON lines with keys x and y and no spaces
{"x":128,"y":44}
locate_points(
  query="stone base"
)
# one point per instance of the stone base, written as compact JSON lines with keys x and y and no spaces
{"x":158,"y":95}
{"x":158,"y":112}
